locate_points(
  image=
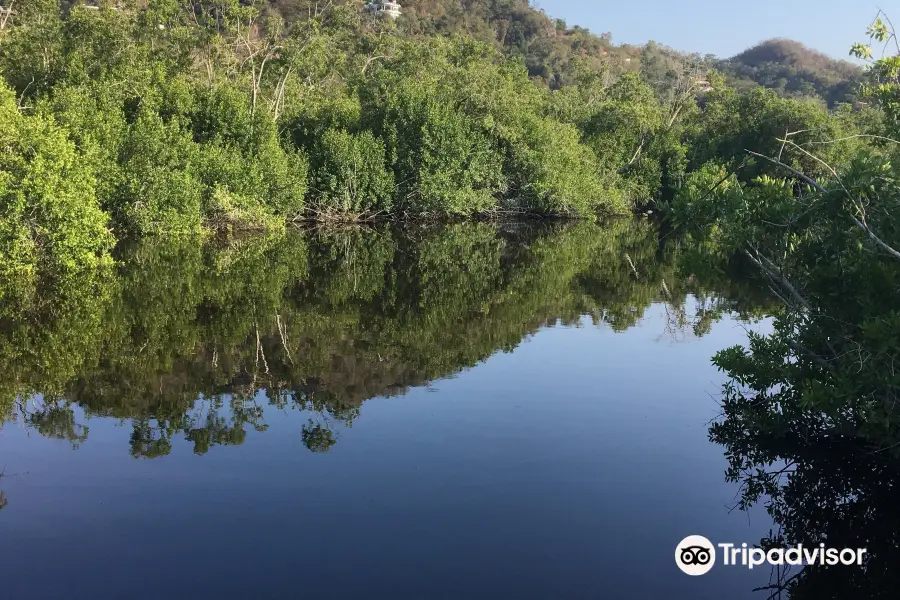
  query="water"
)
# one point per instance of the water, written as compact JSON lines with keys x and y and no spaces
{"x":443,"y":412}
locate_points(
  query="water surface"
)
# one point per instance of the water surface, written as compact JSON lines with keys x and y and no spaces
{"x":473,"y":411}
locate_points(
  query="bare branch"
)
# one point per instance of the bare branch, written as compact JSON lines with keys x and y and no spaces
{"x":369,"y":61}
{"x":852,"y":137}
{"x":861,"y":225}
{"x":803,"y":177}
{"x":6,"y":14}
{"x":875,"y":238}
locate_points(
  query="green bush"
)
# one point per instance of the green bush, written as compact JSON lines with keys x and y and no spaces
{"x":760,"y":121}
{"x":250,"y":192}
{"x":49,"y":214}
{"x":282,"y":179}
{"x":95,"y":119}
{"x":444,"y":162}
{"x":160,"y":190}
{"x":222,"y":114}
{"x":227,"y":211}
{"x":554,"y":174}
{"x":246,"y":171}
{"x":350,"y":176}
{"x":468,"y":133}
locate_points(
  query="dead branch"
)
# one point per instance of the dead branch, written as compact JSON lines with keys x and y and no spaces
{"x":631,"y":264}
{"x":6,"y":14}
{"x":803,"y":177}
{"x":875,"y":238}
{"x":369,"y":61}
{"x":806,"y":179}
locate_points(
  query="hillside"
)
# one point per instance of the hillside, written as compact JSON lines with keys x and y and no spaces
{"x":553,"y":51}
{"x":793,"y":70}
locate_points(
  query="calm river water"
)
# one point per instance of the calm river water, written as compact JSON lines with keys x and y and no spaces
{"x":463,"y":411}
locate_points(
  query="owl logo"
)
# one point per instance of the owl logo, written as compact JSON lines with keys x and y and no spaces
{"x":695,"y":555}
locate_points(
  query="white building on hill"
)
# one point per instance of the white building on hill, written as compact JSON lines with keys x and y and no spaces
{"x":385,"y":8}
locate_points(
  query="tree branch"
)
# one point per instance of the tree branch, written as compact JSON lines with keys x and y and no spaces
{"x":875,"y":238}
{"x":803,"y":177}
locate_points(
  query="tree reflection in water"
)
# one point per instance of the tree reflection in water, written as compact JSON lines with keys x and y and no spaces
{"x":195,"y":341}
{"x":819,"y":488}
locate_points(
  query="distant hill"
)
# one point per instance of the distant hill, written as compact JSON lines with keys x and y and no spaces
{"x":554,"y":51}
{"x":793,"y":70}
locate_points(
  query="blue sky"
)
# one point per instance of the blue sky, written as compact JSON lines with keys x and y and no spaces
{"x":723,"y":27}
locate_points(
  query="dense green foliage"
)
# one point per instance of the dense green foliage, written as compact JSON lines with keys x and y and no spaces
{"x":552,"y":51}
{"x":809,"y":420}
{"x":189,"y":117}
{"x":171,"y":117}
{"x":49,"y":213}
{"x":350,"y":177}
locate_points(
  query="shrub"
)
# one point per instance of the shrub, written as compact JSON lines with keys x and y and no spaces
{"x":49,"y":214}
{"x":554,"y":174}
{"x":251,"y":192}
{"x":443,"y":161}
{"x":350,"y":176}
{"x":94,"y":117}
{"x":160,"y":190}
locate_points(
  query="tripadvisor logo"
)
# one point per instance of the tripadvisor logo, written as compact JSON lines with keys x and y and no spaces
{"x":696,"y":555}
